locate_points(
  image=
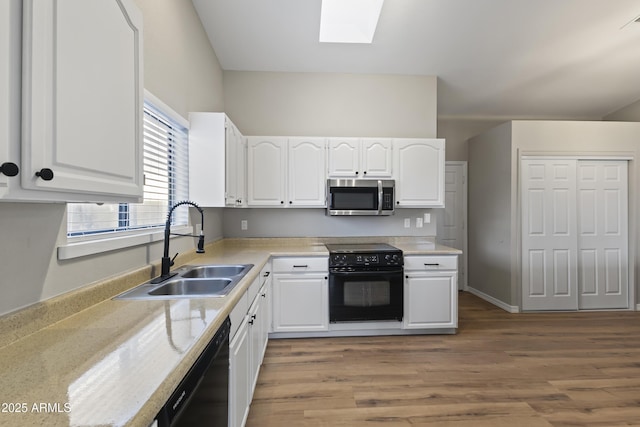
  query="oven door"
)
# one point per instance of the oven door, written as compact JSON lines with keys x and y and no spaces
{"x":368,"y":295}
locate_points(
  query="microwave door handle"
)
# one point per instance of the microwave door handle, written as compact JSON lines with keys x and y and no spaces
{"x":379,"y":197}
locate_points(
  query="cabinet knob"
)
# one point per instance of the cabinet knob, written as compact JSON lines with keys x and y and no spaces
{"x":282,"y":202}
{"x":356,"y":172}
{"x":364,"y":173}
{"x":290,"y":202}
{"x":45,"y":174}
{"x":9,"y":169}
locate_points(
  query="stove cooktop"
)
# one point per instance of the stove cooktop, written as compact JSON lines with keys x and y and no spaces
{"x":347,"y":248}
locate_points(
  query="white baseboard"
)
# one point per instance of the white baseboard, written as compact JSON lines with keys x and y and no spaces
{"x":506,"y":307}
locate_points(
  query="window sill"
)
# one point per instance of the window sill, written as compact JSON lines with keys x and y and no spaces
{"x":79,"y":249}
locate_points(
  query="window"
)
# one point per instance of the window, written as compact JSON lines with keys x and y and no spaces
{"x":166,"y":181}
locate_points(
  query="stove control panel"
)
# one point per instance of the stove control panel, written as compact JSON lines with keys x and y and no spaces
{"x":364,"y":259}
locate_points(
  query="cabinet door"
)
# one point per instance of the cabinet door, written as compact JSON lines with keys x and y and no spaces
{"x":430,"y":300}
{"x":207,"y":156}
{"x":419,"y":172}
{"x":266,"y":163}
{"x":376,"y":158}
{"x":307,"y":185}
{"x":83,"y":98}
{"x":344,"y":157}
{"x":10,"y":18}
{"x":239,"y":388}
{"x":235,"y":166}
{"x":300,"y":302}
{"x":258,"y":325}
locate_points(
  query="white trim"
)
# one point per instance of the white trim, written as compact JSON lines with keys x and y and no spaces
{"x":501,"y":304}
{"x":159,"y":105}
{"x":100,"y":245}
{"x":593,"y":156}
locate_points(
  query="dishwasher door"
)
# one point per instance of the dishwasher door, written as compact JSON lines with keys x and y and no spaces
{"x":202,"y":397}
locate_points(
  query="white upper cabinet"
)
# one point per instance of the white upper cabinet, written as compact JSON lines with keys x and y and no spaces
{"x":376,"y":158}
{"x":360,"y":157}
{"x":217,"y":161}
{"x":306,"y":182}
{"x":266,"y":171}
{"x":82,"y":100}
{"x":10,"y":16}
{"x":419,"y":172}
{"x":287,"y":172}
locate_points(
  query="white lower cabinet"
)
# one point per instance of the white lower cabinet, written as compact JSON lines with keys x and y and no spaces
{"x":300,"y":295}
{"x":239,"y":387}
{"x":430,"y":292}
{"x":247,"y":346}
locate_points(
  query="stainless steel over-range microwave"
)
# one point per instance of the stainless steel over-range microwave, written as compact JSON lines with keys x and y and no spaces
{"x":360,"y":196}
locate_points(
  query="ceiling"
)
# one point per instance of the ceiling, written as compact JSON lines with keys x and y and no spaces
{"x":494,"y":58}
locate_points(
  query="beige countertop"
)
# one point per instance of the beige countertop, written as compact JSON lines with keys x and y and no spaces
{"x":116,"y":362}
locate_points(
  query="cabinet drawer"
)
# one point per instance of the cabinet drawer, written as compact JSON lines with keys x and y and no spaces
{"x":431,"y":262}
{"x":238,"y":314}
{"x":306,"y":264}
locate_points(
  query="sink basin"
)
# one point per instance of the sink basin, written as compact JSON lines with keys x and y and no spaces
{"x":192,"y":287}
{"x":192,"y":281}
{"x":207,"y":271}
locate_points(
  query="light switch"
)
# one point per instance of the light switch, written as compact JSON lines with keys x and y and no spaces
{"x":407,"y":223}
{"x":427,"y":218}
{"x":418,"y":222}
{"x":244,"y":224}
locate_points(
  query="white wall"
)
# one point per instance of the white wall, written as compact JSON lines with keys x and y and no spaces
{"x":630,"y":113}
{"x":489,"y":216}
{"x":182,"y":70}
{"x":457,"y":131}
{"x":314,"y":223}
{"x":327,"y":104}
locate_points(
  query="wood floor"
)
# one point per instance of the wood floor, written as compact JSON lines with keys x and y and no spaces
{"x":501,"y":369}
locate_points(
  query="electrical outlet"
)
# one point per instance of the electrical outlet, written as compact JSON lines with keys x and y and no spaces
{"x":244,"y":224}
{"x":407,"y":223}
{"x":427,"y":218}
{"x":418,"y":222}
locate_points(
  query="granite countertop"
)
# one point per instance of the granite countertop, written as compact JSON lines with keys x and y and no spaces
{"x":116,"y":362}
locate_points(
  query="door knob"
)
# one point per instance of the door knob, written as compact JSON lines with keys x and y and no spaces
{"x":9,"y":169}
{"x":45,"y":173}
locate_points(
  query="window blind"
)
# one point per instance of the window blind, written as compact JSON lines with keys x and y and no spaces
{"x":166,"y":181}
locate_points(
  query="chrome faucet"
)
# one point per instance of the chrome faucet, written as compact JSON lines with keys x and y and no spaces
{"x":168,"y":262}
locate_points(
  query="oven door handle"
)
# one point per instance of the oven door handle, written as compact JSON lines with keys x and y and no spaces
{"x":365,"y":272}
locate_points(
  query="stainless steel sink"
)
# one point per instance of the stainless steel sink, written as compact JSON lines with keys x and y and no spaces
{"x":191,"y":287}
{"x":207,"y":271}
{"x":192,"y":281}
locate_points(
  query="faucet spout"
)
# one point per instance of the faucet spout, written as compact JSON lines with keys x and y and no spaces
{"x":168,"y":262}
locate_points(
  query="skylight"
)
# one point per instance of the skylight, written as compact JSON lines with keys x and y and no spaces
{"x":349,"y":21}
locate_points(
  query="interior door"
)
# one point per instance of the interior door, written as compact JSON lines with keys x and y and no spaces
{"x":603,"y":263}
{"x":549,"y":235}
{"x":450,"y":221}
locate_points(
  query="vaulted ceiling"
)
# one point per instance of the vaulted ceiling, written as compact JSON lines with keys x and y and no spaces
{"x":493,"y":58}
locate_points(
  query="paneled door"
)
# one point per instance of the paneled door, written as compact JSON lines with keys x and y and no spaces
{"x":451,"y":221}
{"x":603,"y":272}
{"x":549,"y":238}
{"x":574,"y":234}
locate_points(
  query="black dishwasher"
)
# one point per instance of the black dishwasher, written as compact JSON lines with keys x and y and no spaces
{"x":202,"y":397}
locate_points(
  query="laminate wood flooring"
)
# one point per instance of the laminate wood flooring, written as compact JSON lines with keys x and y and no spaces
{"x":500,"y":369}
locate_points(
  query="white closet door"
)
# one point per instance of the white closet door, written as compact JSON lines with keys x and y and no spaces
{"x":602,"y":235}
{"x":549,"y":241}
